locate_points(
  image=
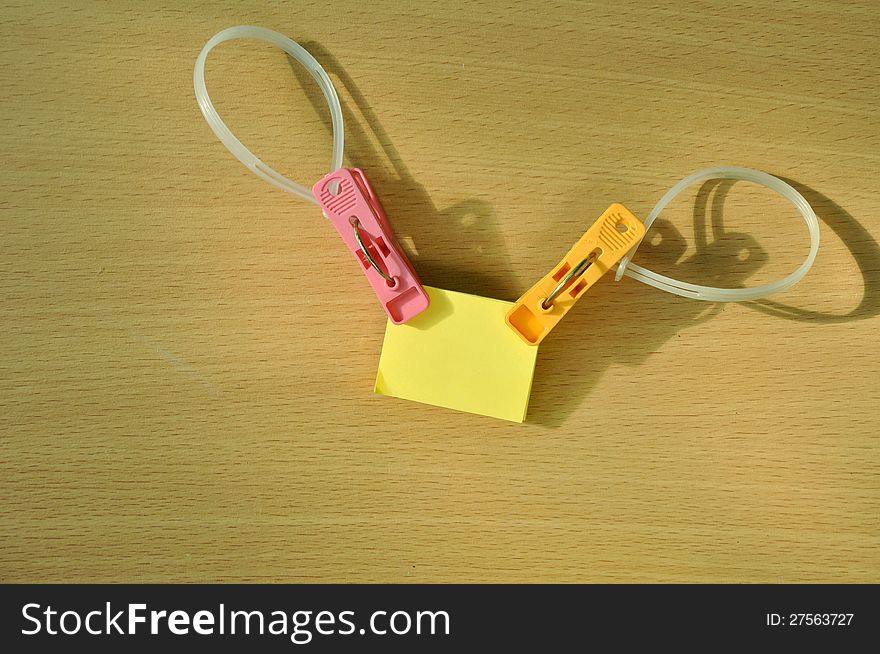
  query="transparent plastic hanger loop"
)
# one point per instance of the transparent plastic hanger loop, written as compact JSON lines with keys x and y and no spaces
{"x":228,"y":139}
{"x":710,"y":293}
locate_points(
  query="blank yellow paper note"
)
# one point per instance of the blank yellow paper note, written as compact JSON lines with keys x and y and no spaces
{"x":459,"y":354}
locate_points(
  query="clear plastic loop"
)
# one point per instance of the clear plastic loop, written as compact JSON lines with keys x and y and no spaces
{"x":710,"y":293}
{"x":228,"y":139}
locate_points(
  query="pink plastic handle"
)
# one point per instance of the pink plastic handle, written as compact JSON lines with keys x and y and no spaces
{"x":354,"y":201}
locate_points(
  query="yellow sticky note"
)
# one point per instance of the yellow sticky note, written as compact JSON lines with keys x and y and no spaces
{"x":459,"y":354}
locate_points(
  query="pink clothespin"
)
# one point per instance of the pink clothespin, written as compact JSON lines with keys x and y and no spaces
{"x":348,"y":201}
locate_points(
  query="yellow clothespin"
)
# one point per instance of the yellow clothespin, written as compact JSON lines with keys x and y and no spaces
{"x":539,"y":309}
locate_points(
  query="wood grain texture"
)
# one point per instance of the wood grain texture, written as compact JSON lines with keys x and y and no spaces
{"x":187,"y":355}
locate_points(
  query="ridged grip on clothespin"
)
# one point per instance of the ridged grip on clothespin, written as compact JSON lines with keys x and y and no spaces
{"x":541,"y":307}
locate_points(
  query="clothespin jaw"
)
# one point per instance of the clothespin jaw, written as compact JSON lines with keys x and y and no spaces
{"x":350,"y":204}
{"x":541,"y":307}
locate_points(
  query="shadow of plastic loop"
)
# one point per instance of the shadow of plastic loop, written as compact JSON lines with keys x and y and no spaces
{"x":460,"y":247}
{"x":862,"y":247}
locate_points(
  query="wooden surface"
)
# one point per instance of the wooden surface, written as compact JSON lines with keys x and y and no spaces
{"x":187,"y":354}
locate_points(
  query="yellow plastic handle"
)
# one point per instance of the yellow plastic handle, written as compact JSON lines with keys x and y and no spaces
{"x":615,"y":233}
